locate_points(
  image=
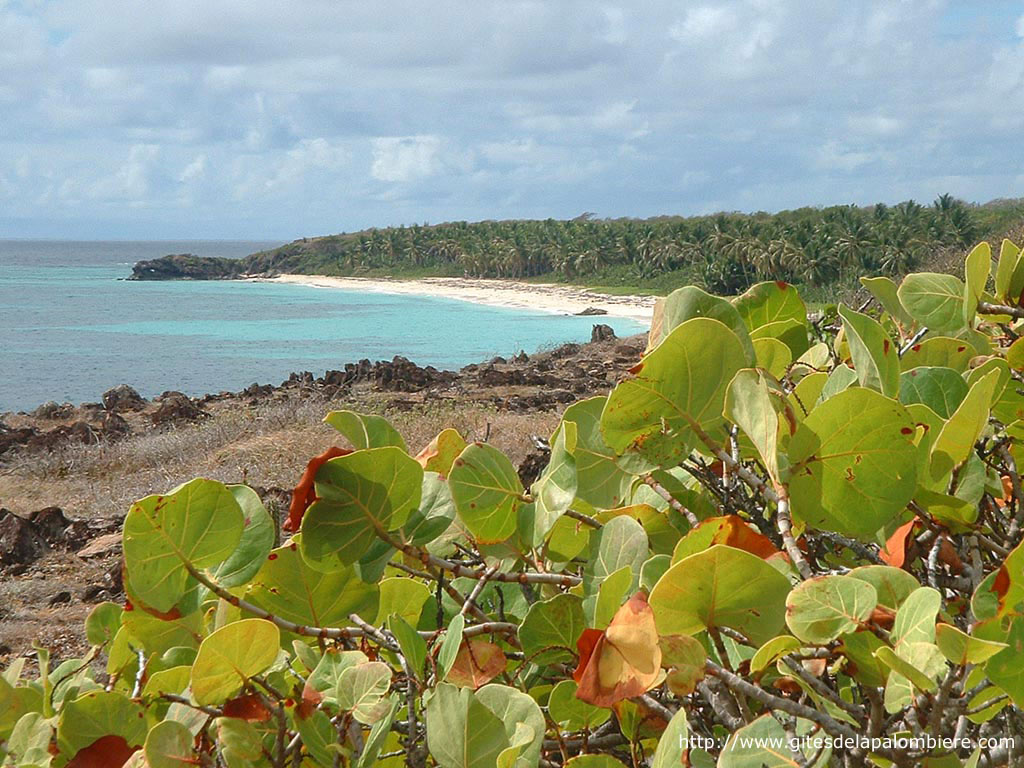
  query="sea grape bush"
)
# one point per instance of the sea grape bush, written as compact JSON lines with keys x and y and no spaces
{"x":777,"y":542}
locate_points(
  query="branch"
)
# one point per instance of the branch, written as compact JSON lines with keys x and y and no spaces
{"x":784,"y":522}
{"x":672,"y":500}
{"x":987,"y":308}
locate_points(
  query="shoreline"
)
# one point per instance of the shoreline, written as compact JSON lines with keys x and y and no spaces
{"x":544,"y":297}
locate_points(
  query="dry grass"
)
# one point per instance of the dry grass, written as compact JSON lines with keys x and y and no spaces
{"x":265,"y":445}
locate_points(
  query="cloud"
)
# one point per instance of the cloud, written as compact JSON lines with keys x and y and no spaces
{"x":255,"y":118}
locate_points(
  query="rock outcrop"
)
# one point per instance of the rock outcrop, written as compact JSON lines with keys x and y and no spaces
{"x":187,"y":266}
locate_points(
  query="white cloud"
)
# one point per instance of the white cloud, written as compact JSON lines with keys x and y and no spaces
{"x":405,"y":158}
{"x":194,"y":171}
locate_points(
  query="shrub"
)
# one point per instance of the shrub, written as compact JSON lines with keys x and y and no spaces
{"x":775,"y":543}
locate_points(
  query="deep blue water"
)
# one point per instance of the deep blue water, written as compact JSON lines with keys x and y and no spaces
{"x":70,"y":328}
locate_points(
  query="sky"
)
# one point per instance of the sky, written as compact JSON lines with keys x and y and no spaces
{"x":264,"y":119}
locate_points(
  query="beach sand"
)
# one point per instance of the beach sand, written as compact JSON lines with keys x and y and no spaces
{"x":545,"y":297}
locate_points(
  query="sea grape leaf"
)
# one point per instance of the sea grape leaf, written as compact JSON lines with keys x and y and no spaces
{"x":365,"y":430}
{"x":230,"y":656}
{"x":620,"y":543}
{"x":555,"y":489}
{"x":600,"y":481}
{"x":685,"y":659}
{"x":476,"y":664}
{"x":885,"y":291}
{"x":915,"y":619}
{"x":914,"y":666}
{"x":960,"y":648}
{"x":680,"y":384}
{"x":450,"y":644}
{"x":570,"y":712}
{"x":361,"y":691}
{"x":853,"y":463}
{"x":839,"y":380}
{"x":304,"y":493}
{"x":934,"y":300}
{"x":487,"y":492}
{"x":199,"y":522}
{"x":748,"y":404}
{"x":359,"y":496}
{"x":1004,"y":669}
{"x":791,"y":333}
{"x":874,"y":354}
{"x":770,"y":302}
{"x":672,"y":744}
{"x":432,"y":520}
{"x":550,"y":628}
{"x":102,"y":623}
{"x":625,"y":661}
{"x":401,"y":596}
{"x":964,"y":427}
{"x":822,"y":609}
{"x":255,"y":544}
{"x":689,"y":302}
{"x":772,"y":356}
{"x":941,"y":389}
{"x":97,"y":714}
{"x":169,"y":745}
{"x":1009,"y":265}
{"x":859,"y":647}
{"x":977,"y":267}
{"x":772,"y":651}
{"x":439,"y":455}
{"x":513,"y":707}
{"x":939,"y":352}
{"x":762,"y":744}
{"x":288,"y":587}
{"x":611,"y":592}
{"x":893,"y":585}
{"x":723,"y":587}
{"x":731,"y":530}
{"x":461,"y":731}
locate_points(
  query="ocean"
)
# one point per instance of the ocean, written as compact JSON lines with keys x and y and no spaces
{"x":72,"y":327}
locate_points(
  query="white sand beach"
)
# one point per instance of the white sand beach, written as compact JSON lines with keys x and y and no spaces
{"x":546,"y":297}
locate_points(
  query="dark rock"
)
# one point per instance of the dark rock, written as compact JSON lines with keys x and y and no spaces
{"x":51,"y":523}
{"x":20,"y":540}
{"x":531,"y":467}
{"x":54,"y":410}
{"x":79,"y":432}
{"x":123,"y":398}
{"x":114,"y":426}
{"x":522,"y":357}
{"x":60,"y":598}
{"x":14,"y":438}
{"x":498,"y":360}
{"x":591,"y":311}
{"x":176,"y":407}
{"x":94,"y":593}
{"x":103,"y":546}
{"x":602,"y":332}
{"x":187,"y":266}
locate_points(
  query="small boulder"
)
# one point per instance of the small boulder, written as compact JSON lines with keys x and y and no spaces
{"x":102,"y":546}
{"x":51,"y":409}
{"x":123,"y":398}
{"x":20,"y":540}
{"x":602,"y":332}
{"x":176,"y":407}
{"x":591,"y":311}
{"x":60,"y":598}
{"x":51,"y":523}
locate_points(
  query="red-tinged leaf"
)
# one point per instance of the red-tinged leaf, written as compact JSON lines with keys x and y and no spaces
{"x":734,"y":532}
{"x":815,"y":667}
{"x":895,"y":551}
{"x":585,"y":647}
{"x":1007,"y":491}
{"x":626,"y":660}
{"x":882,"y":617}
{"x":948,"y":555}
{"x":477,"y":663}
{"x":106,"y":752}
{"x":134,"y":602}
{"x":305,"y":492}
{"x":248,"y":707}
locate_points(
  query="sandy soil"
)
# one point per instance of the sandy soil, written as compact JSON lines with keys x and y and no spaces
{"x":546,"y":297}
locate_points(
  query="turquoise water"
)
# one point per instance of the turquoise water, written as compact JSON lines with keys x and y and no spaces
{"x":70,"y":327}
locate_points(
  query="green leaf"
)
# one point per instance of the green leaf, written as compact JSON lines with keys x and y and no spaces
{"x":555,"y":489}
{"x":487,"y":492}
{"x":977,"y":267}
{"x":594,"y":761}
{"x":885,"y":291}
{"x":934,"y":300}
{"x":822,"y":609}
{"x":915,"y":619}
{"x":319,"y":736}
{"x":672,"y":744}
{"x":689,"y":302}
{"x":770,"y":302}
{"x":326,"y":675}
{"x":199,"y":522}
{"x":379,"y":734}
{"x":461,"y":731}
{"x":859,"y":648}
{"x":30,"y":740}
{"x":791,"y":333}
{"x":449,"y":648}
{"x":772,"y":356}
{"x":572,"y":714}
{"x":748,"y":404}
{"x":853,"y":465}
{"x":961,"y":649}
{"x":359,"y":496}
{"x":939,"y":352}
{"x":403,"y":597}
{"x":361,"y":691}
{"x":600,"y":481}
{"x":414,"y":647}
{"x":442,"y":451}
{"x":1007,"y":270}
{"x":772,"y":651}
{"x":721,"y":587}
{"x":1005,"y":668}
{"x":512,"y":708}
{"x":255,"y":544}
{"x":764,"y":743}
{"x":611,"y":593}
{"x":169,"y":745}
{"x":681,"y":383}
{"x":432,"y":521}
{"x":893,"y":585}
{"x":914,"y":666}
{"x":874,"y":354}
{"x":102,"y":623}
{"x":964,"y":427}
{"x":287,"y":587}
{"x":941,"y":389}
{"x":620,"y":543}
{"x":97,"y":714}
{"x":550,"y":629}
{"x":365,"y":430}
{"x":229,"y":657}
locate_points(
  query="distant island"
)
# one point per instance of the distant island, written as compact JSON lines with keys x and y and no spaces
{"x":819,"y":248}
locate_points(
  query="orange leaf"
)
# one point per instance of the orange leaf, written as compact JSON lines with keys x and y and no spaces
{"x":625,"y":661}
{"x":477,"y":663}
{"x":895,"y":551}
{"x":305,"y":493}
{"x":106,"y":752}
{"x":248,"y":707}
{"x":882,"y":617}
{"x":1007,"y":491}
{"x":735,"y":532}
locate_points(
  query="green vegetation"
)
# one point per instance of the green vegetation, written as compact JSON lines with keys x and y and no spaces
{"x":777,"y":542}
{"x":725,"y":253}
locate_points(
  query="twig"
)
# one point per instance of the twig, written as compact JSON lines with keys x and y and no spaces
{"x":672,"y":500}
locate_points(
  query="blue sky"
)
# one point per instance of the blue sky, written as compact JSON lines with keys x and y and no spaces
{"x":270,"y":119}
